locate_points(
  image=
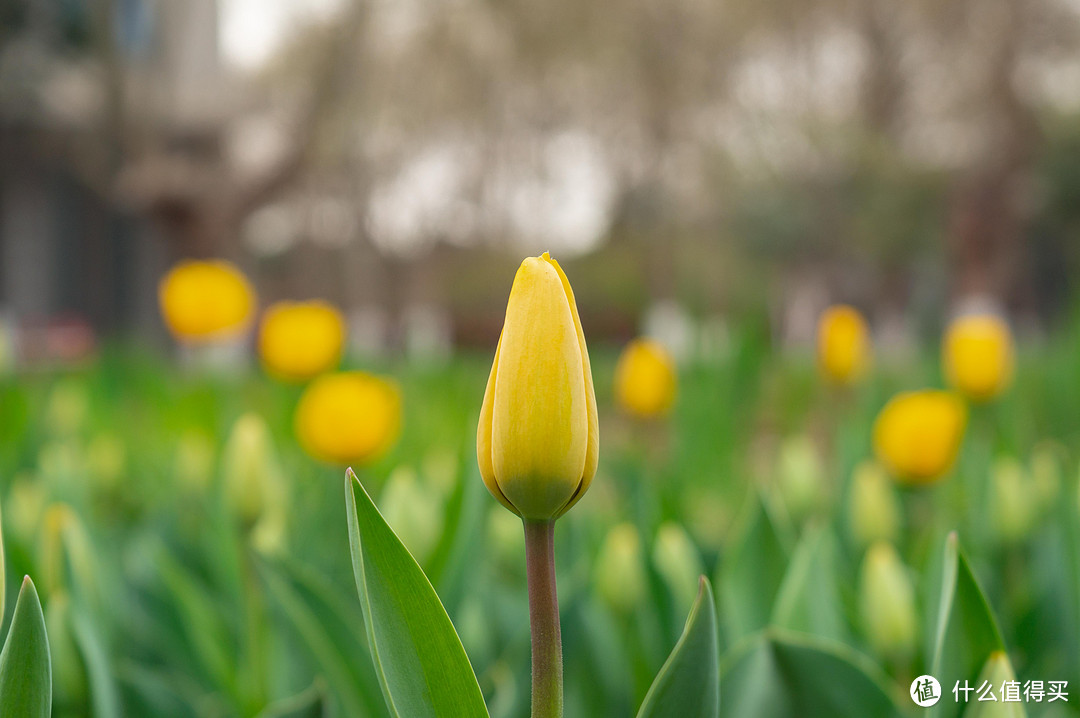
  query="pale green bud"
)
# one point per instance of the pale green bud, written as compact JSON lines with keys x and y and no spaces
{"x":61,"y":460}
{"x":25,"y":505}
{"x":678,"y":562}
{"x":1047,"y":459}
{"x":801,"y":477}
{"x":106,"y":460}
{"x":887,"y":603}
{"x":873,"y":507}
{"x":193,"y":463}
{"x":67,"y":408}
{"x":252,"y":478}
{"x":1013,"y":501}
{"x":413,"y":511}
{"x":620,"y":569}
{"x":997,"y":670}
{"x":708,"y":516}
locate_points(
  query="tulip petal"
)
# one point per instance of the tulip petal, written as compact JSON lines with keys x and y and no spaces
{"x":483,"y":435}
{"x":592,"y":452}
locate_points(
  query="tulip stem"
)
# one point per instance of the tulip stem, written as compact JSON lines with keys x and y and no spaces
{"x":547,"y":668}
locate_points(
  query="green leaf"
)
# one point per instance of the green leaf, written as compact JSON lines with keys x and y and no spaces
{"x":751,"y":575}
{"x":967,"y":633}
{"x":688,"y":684}
{"x":777,"y":675}
{"x":3,"y":570}
{"x":204,"y":626}
{"x":330,"y":625}
{"x":809,"y":600}
{"x":309,"y":704}
{"x":25,"y":664}
{"x":104,"y":692}
{"x":417,"y":653}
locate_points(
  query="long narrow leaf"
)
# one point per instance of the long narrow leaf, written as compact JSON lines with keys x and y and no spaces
{"x":417,"y":653}
{"x":967,"y":633}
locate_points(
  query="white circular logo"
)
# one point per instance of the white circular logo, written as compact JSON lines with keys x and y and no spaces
{"x":925,"y":691}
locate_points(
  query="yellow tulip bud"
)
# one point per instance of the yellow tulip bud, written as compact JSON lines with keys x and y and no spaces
{"x":300,"y":340}
{"x":645,"y":379}
{"x":349,"y":417}
{"x":620,"y":571}
{"x":1014,"y":501}
{"x":537,"y":442}
{"x":887,"y":603}
{"x":978,"y":356}
{"x":205,"y":301}
{"x":844,"y":349}
{"x":917,"y":435}
{"x":874,"y":510}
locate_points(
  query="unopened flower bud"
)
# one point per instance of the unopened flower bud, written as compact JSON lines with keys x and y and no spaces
{"x":620,"y":570}
{"x":801,"y":477}
{"x":844,"y":349}
{"x":873,"y":507}
{"x":978,"y":356}
{"x":413,"y":511}
{"x":537,"y":441}
{"x":887,"y":603}
{"x":1013,"y":501}
{"x":678,"y":562}
{"x":251,"y":475}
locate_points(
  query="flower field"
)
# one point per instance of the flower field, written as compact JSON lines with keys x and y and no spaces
{"x":189,"y":540}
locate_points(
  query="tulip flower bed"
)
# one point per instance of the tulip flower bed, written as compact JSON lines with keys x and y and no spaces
{"x":194,"y":554}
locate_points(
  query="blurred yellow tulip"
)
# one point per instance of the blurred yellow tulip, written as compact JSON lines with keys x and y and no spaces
{"x":537,"y":441}
{"x":206,"y":301}
{"x":645,"y":379}
{"x":348,"y":417}
{"x":300,"y":340}
{"x":917,"y":435}
{"x":978,"y":356}
{"x":844,"y":349}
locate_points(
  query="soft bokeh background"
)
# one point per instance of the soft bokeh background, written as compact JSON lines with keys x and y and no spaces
{"x":710,"y":174}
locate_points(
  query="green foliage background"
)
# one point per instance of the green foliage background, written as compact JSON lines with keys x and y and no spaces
{"x":162,"y":606}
